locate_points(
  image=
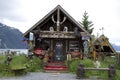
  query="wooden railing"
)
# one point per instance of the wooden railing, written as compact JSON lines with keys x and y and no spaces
{"x":82,"y":70}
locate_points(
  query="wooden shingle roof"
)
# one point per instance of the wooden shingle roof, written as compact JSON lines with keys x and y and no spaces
{"x":104,"y":41}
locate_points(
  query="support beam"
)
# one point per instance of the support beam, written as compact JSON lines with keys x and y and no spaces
{"x":51,"y":46}
{"x":58,"y":20}
{"x":66,"y":42}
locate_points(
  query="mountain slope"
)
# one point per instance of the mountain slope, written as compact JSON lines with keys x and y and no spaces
{"x":117,"y":48}
{"x":10,"y":38}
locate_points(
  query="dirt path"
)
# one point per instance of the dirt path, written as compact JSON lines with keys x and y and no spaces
{"x":46,"y":76}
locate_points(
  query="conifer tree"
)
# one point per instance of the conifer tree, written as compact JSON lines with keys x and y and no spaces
{"x":86,"y":23}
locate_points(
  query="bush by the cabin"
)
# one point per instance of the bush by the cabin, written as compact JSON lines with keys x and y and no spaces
{"x":17,"y":65}
{"x":74,"y":64}
{"x":34,"y":65}
{"x":18,"y":61}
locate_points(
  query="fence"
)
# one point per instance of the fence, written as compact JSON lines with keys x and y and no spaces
{"x":81,"y":71}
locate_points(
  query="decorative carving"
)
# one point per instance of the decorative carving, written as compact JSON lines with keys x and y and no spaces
{"x":58,"y":22}
{"x":86,"y":47}
{"x":77,"y":32}
{"x":58,"y":51}
{"x":65,"y":29}
{"x":51,"y":29}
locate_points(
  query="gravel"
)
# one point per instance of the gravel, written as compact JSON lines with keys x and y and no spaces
{"x":48,"y":76}
{"x":44,"y":76}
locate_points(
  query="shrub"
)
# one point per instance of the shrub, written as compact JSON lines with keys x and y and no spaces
{"x":87,"y":63}
{"x":74,"y":65}
{"x":18,"y":61}
{"x":5,"y":70}
{"x":34,"y":64}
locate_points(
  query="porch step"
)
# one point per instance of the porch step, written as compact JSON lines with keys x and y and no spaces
{"x":56,"y":67}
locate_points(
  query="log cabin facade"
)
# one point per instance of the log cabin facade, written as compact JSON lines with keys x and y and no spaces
{"x":59,"y":33}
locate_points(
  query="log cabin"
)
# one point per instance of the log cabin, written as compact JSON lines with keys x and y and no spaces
{"x":57,"y":34}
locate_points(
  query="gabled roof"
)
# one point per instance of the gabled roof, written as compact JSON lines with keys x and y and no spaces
{"x":104,"y":41}
{"x":50,"y":13}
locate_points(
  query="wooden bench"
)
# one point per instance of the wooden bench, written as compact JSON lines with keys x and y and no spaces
{"x":81,"y":71}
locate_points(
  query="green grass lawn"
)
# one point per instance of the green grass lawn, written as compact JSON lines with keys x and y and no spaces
{"x":19,"y":62}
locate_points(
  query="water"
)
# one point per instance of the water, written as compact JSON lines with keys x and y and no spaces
{"x":18,"y":51}
{"x":118,"y":51}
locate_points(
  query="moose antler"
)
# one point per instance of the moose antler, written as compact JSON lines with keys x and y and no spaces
{"x":58,"y":20}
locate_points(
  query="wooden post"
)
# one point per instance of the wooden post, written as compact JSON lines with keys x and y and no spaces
{"x":58,"y":20}
{"x":66,"y":46}
{"x":94,"y":55}
{"x":80,"y":71}
{"x":111,"y":72}
{"x":51,"y":46}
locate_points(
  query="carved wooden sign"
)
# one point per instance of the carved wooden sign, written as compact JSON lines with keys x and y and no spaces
{"x":55,"y":34}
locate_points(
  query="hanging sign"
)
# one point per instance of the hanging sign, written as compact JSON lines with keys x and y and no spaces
{"x":31,"y":36}
{"x":85,"y":37}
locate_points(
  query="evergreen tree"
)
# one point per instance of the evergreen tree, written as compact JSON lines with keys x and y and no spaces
{"x":86,"y":23}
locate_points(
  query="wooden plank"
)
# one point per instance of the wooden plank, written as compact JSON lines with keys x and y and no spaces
{"x":96,"y":68}
{"x":57,"y":34}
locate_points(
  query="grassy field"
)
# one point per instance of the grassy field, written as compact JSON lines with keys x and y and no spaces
{"x":19,"y":62}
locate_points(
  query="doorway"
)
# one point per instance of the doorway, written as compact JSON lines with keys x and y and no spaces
{"x":59,"y":50}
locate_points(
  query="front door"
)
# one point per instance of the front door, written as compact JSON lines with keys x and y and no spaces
{"x":59,"y":51}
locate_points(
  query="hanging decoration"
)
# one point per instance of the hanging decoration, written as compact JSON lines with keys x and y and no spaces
{"x":51,"y":29}
{"x":58,"y":20}
{"x":65,"y":29}
{"x":31,"y":36}
{"x":77,"y":32}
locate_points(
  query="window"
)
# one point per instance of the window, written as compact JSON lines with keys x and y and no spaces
{"x":74,"y":46}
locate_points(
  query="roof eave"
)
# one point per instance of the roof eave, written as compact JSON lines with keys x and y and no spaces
{"x":25,"y":34}
{"x":51,"y":12}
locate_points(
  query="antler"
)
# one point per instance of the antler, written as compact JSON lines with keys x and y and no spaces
{"x":63,"y":20}
{"x":53,"y":19}
{"x":58,"y":22}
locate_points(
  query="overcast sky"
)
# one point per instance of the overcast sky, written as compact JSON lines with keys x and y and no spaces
{"x":23,"y":14}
